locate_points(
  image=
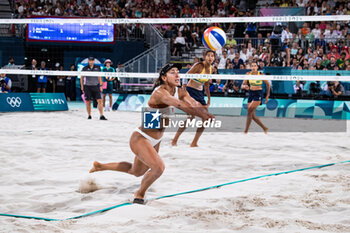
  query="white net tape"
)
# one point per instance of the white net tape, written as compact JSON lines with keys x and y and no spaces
{"x":186,"y":76}
{"x":181,"y":20}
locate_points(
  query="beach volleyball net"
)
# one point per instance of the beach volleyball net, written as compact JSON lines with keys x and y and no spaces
{"x":62,"y":42}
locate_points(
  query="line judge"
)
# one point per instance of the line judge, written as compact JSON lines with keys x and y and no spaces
{"x":91,"y":86}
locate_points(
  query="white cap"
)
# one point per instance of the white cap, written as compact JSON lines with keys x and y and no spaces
{"x":108,"y":60}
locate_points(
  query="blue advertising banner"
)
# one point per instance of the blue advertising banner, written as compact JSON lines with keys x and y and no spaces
{"x":15,"y":102}
{"x":292,"y":108}
{"x":49,"y":101}
{"x":28,"y":102}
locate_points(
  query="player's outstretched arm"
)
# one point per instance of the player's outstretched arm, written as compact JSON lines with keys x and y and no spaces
{"x":185,"y":103}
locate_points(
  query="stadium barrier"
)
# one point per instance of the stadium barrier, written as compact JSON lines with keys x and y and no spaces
{"x":228,"y":106}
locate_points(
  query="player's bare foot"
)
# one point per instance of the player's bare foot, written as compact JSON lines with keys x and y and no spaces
{"x":173,"y":143}
{"x":139,"y":198}
{"x":95,"y":167}
{"x":266,"y":130}
{"x":193,"y":145}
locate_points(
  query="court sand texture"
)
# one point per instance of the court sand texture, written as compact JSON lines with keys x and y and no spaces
{"x":44,"y":156}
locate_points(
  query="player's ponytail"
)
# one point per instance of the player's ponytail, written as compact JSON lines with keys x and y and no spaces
{"x":159,"y":81}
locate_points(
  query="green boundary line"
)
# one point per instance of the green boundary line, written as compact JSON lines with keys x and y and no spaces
{"x":176,"y":194}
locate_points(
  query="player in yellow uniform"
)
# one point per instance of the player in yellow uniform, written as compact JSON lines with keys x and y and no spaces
{"x":255,"y":97}
{"x":196,"y":87}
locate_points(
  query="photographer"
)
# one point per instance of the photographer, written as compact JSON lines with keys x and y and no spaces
{"x":5,"y":84}
{"x":315,"y":88}
{"x":276,"y":59}
{"x":233,"y":86}
{"x":335,"y":88}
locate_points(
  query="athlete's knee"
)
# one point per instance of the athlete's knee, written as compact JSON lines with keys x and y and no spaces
{"x":251,"y":110}
{"x":159,"y":169}
{"x":136,"y":173}
{"x":139,"y":173}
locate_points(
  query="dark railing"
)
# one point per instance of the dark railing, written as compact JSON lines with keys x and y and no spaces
{"x":12,"y":5}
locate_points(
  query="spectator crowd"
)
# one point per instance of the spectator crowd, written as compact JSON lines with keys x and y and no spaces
{"x":301,"y":46}
{"x":244,"y":38}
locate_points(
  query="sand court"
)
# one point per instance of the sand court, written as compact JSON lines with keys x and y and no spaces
{"x":46,"y":156}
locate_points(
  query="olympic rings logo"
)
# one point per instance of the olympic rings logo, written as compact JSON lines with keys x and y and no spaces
{"x":14,"y":101}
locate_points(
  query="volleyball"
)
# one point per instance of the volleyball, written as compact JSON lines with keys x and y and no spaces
{"x":214,"y":38}
{"x":109,"y":78}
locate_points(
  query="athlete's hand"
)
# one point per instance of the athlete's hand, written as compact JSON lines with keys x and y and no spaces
{"x":101,"y":89}
{"x":208,"y":104}
{"x":266,"y":99}
{"x":82,"y":91}
{"x":209,"y":117}
{"x":212,"y":116}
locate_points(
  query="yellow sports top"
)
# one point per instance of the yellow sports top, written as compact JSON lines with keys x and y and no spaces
{"x":256,"y":82}
{"x":203,"y":80}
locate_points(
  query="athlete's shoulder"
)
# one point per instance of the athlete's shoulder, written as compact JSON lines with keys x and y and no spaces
{"x":159,"y":91}
{"x":198,"y":65}
{"x":159,"y":94}
{"x":196,"y":68}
